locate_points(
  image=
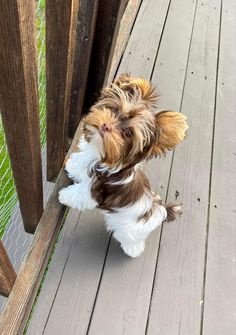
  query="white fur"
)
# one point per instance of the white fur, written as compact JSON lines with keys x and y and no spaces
{"x":123,"y":222}
{"x":130,"y":233}
{"x":125,"y":180}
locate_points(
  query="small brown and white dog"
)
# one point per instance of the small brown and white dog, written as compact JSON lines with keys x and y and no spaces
{"x":123,"y":129}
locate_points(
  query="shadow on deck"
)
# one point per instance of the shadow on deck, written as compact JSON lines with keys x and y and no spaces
{"x":184,"y":283}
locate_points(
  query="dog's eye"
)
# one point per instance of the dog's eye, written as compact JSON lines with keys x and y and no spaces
{"x":128,"y":132}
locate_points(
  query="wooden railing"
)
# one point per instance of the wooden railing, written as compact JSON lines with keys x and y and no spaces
{"x":80,"y":40}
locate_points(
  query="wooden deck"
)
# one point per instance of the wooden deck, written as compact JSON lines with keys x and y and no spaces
{"x":185,"y":282}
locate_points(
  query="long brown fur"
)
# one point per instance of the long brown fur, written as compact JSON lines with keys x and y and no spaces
{"x":109,"y":196}
{"x":129,"y":104}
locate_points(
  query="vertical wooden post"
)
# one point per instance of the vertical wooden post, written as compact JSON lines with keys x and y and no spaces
{"x":86,"y":21}
{"x":61,"y":18}
{"x":7,"y":273}
{"x":110,"y":13}
{"x":19,"y":104}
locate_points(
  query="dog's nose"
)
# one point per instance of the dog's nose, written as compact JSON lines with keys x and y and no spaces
{"x":105,"y":128}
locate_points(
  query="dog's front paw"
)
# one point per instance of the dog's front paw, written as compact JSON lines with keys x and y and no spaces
{"x":134,"y":250}
{"x":64,"y":196}
{"x":72,"y":167}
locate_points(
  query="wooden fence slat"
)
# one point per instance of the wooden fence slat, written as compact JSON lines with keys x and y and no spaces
{"x":107,"y":27}
{"x":7,"y":273}
{"x":61,"y":18}
{"x":86,"y":21}
{"x":19,"y":104}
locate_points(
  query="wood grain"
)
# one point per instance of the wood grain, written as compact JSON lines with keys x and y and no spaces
{"x":176,"y":304}
{"x":80,"y":279}
{"x":61,"y":19}
{"x":7,"y":273}
{"x":107,"y":27}
{"x":220,"y":290}
{"x":126,"y":26}
{"x":19,"y":105}
{"x":86,"y":21}
{"x":23,"y":293}
{"x":143,"y":42}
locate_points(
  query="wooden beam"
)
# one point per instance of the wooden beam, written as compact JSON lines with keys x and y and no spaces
{"x":107,"y":27}
{"x":21,"y":298}
{"x":61,"y":18}
{"x":86,"y":21}
{"x":7,"y":273}
{"x":19,"y":104}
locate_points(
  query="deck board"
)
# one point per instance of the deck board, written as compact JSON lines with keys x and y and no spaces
{"x":184,"y":283}
{"x":176,"y":302}
{"x":143,"y":42}
{"x":77,"y":277}
{"x":220,"y":291}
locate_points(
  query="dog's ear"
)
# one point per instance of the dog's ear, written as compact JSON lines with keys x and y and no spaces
{"x":171,"y":129}
{"x":138,"y":88}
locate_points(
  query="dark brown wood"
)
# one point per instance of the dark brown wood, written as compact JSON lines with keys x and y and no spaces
{"x":19,"y":104}
{"x":60,"y":43}
{"x":86,"y":21}
{"x":7,"y":273}
{"x":107,"y":27}
{"x":21,"y":298}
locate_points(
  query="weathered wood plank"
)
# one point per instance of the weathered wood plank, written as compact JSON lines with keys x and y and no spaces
{"x":176,"y":304}
{"x":135,"y":277}
{"x":79,"y":282}
{"x":107,"y":27}
{"x":143,"y":42}
{"x":61,"y":19}
{"x":54,"y":275}
{"x":22,"y":296}
{"x":220,"y":291}
{"x":19,"y":105}
{"x":126,"y":26}
{"x":7,"y":273}
{"x":86,"y":21}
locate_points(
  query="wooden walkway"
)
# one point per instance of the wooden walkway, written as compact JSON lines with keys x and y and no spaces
{"x":185,"y":282}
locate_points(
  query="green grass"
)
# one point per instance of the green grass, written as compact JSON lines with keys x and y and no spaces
{"x":8,"y":197}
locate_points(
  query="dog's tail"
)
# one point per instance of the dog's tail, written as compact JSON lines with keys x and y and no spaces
{"x":173,"y":211}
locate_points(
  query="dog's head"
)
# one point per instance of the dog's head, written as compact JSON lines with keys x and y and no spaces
{"x":125,"y":127}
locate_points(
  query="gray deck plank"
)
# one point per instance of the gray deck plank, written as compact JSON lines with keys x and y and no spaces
{"x":126,"y":26}
{"x":129,"y":283}
{"x":54,"y":275}
{"x":77,"y":277}
{"x":77,"y":291}
{"x":220,"y":291}
{"x":176,"y":303}
{"x":140,"y":53}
